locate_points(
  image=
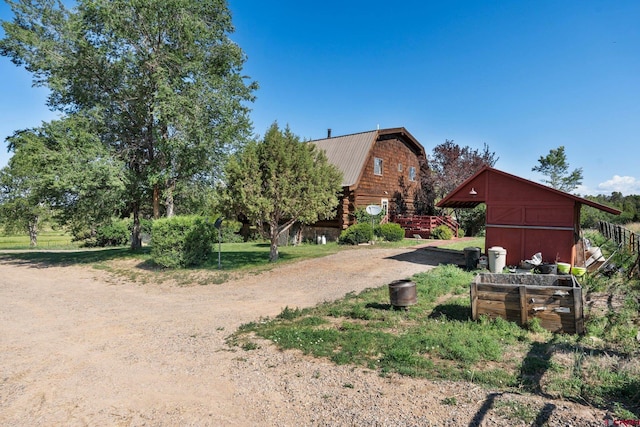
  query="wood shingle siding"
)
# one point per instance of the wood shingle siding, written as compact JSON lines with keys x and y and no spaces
{"x":354,"y":155}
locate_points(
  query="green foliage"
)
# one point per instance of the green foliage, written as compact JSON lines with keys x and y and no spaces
{"x":163,"y":78}
{"x":182,"y":241}
{"x":472,"y":221}
{"x":289,"y":314}
{"x":629,"y":205}
{"x":390,"y":232}
{"x":116,"y":233}
{"x":361,"y":216}
{"x":446,"y":279}
{"x":555,"y":167}
{"x":280,"y":181}
{"x":534,"y":325}
{"x":442,"y":232}
{"x":356,"y":234}
{"x":62,"y":167}
{"x":230,"y":233}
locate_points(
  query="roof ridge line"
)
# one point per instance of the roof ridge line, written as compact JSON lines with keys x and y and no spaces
{"x":348,"y":134}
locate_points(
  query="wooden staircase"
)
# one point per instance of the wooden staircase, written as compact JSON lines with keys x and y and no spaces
{"x":421,"y":225}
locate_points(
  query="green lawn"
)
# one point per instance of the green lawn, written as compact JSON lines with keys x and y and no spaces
{"x":477,"y":242}
{"x":46,"y":240}
{"x":436,"y":339}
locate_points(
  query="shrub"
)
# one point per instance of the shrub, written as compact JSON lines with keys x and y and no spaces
{"x":391,"y":232}
{"x":442,"y":232}
{"x":182,"y":241}
{"x":356,"y":234}
{"x":362,"y":216}
{"x":230,"y":231}
{"x":116,"y":233}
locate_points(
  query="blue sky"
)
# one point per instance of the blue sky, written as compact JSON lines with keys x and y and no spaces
{"x":522,"y":76}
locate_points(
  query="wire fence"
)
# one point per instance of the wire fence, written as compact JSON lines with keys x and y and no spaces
{"x":621,"y":236}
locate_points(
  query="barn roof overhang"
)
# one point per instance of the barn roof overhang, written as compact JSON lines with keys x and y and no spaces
{"x":473,"y":192}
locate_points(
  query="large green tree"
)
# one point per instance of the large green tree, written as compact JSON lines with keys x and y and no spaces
{"x":164,"y":77}
{"x":22,"y":204}
{"x":59,"y":168}
{"x":556,"y":168}
{"x":281,"y":180}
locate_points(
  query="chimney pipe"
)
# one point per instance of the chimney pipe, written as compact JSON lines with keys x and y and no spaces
{"x":329,"y":133}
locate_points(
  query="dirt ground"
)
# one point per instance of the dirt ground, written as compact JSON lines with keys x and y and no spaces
{"x":79,"y":346}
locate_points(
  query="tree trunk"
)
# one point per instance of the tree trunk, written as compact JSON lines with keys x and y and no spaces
{"x":136,"y":232}
{"x":171,"y":186}
{"x":274,"y":233}
{"x":156,"y":201}
{"x":33,"y":231}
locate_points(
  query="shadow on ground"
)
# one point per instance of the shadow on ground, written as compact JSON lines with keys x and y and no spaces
{"x":432,"y":256}
{"x":44,"y":259}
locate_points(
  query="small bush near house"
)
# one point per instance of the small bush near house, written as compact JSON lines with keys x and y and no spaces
{"x":356,"y":234}
{"x":442,"y":232}
{"x":182,"y":241}
{"x":390,"y":232}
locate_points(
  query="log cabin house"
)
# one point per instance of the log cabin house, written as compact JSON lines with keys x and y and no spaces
{"x":378,"y":167}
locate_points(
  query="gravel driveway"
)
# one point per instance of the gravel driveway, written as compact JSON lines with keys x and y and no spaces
{"x":79,"y":347}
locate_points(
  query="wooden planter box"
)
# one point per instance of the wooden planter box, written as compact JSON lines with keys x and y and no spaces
{"x":554,"y":299}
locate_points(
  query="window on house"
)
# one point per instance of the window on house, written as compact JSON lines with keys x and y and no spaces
{"x":377,"y":166}
{"x":399,"y":167}
{"x":412,"y":173}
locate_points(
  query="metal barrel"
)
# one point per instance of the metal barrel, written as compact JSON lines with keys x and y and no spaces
{"x":402,"y":293}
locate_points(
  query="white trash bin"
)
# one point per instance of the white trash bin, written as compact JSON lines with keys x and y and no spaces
{"x":497,"y":259}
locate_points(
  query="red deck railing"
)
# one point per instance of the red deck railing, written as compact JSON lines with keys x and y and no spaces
{"x":421,"y":225}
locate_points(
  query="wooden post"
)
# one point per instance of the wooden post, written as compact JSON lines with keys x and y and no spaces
{"x":474,"y":300}
{"x":577,"y":307}
{"x":524,"y":313}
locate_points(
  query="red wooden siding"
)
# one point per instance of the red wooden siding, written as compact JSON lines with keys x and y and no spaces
{"x":522,"y":216}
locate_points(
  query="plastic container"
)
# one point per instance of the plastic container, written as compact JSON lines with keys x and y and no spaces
{"x":497,"y":258}
{"x":578,"y":271}
{"x":563,"y":267}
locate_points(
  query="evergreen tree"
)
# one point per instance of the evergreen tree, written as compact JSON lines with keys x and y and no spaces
{"x":555,"y":167}
{"x":279,"y":181}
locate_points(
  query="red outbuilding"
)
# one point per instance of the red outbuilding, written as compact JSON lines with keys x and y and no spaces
{"x":525,"y":217}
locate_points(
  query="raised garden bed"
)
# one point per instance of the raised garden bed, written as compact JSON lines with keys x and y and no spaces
{"x":554,"y":299}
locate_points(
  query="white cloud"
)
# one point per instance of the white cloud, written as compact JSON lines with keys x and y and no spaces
{"x":626,"y":185}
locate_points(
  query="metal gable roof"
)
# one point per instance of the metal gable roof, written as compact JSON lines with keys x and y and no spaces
{"x":348,"y":153}
{"x":460,"y":197}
